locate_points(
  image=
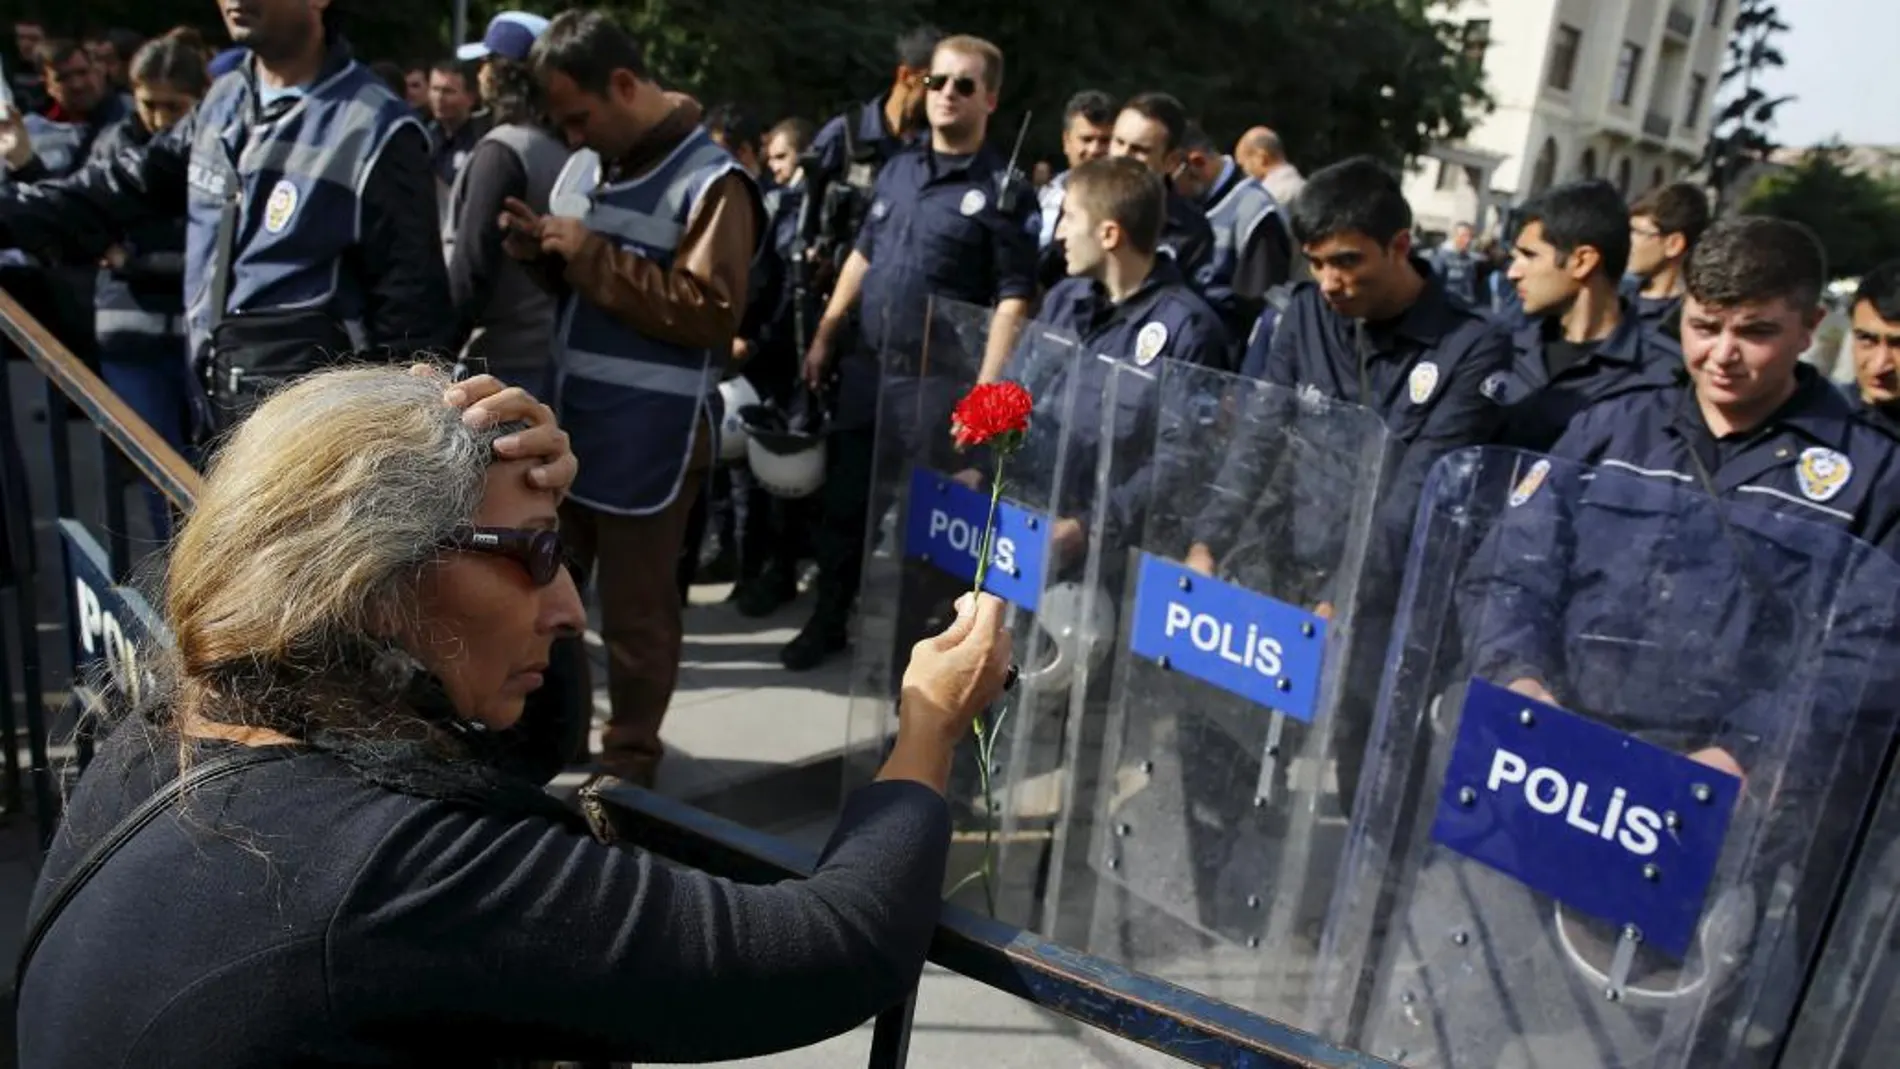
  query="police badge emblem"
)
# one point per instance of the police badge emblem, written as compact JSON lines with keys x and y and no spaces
{"x":1423,"y":381}
{"x":281,"y":206}
{"x":1529,"y":484}
{"x":1148,"y":343}
{"x":1822,"y":473}
{"x":1493,"y":387}
{"x":973,"y":202}
{"x":880,"y":209}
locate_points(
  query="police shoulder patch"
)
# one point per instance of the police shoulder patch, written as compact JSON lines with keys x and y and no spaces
{"x":1529,"y":484}
{"x":1423,"y":381}
{"x":1149,"y":341}
{"x":1493,"y":387}
{"x":880,"y":208}
{"x":973,"y":202}
{"x":281,"y":206}
{"x":1822,"y":473}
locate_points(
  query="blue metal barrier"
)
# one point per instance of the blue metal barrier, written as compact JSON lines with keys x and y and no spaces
{"x":1094,"y":992}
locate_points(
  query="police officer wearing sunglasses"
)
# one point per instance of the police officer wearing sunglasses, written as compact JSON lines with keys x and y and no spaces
{"x":948,"y":219}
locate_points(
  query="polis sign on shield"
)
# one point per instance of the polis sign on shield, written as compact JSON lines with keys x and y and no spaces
{"x":1246,"y":643}
{"x":945,"y":530}
{"x":1609,"y":825}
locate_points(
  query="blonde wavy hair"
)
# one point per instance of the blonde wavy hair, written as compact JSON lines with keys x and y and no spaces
{"x":305,"y":547}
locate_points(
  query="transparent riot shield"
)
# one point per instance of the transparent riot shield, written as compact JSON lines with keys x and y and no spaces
{"x":1229,"y":532}
{"x":929,"y":502}
{"x":1625,"y":735}
{"x":1850,"y":1018}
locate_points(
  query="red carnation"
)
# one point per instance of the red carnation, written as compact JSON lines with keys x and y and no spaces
{"x":992,"y":412}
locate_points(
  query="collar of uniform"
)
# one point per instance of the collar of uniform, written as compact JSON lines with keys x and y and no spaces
{"x":665,"y":136}
{"x":1622,"y":345}
{"x":1230,"y":176}
{"x":871,"y":124}
{"x":1098,"y":311}
{"x":1885,"y":417}
{"x":337,"y":55}
{"x":1431,"y":317}
{"x":1817,"y":411}
{"x":977,"y":164}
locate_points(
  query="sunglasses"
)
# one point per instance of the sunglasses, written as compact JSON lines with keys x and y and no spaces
{"x":537,"y":551}
{"x":964,"y":85}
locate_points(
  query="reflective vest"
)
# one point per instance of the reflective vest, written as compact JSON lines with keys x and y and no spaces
{"x":1234,"y":218}
{"x":514,"y":329}
{"x":298,"y":182}
{"x":628,"y":402}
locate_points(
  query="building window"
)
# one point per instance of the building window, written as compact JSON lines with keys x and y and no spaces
{"x":1698,"y":88}
{"x":1624,"y":176}
{"x":1587,"y":168}
{"x":1715,"y":13}
{"x":1656,"y":178}
{"x":1563,"y":57}
{"x":1628,"y":62}
{"x":1544,"y":173}
{"x":1477,"y":38}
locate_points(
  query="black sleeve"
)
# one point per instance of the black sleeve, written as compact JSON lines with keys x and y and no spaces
{"x":1264,"y":263}
{"x":406,"y":283}
{"x":493,"y":174}
{"x":524,"y":934}
{"x":78,"y":216}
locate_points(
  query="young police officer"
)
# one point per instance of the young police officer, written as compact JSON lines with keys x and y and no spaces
{"x":1122,"y":299}
{"x":1664,"y":226}
{"x":1755,"y":424}
{"x":1581,"y":342}
{"x":947,"y":220}
{"x":1152,"y":128}
{"x":1375,"y":328}
{"x":1877,"y":344}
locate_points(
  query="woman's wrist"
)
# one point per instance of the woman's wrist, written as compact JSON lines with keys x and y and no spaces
{"x":922,"y":751}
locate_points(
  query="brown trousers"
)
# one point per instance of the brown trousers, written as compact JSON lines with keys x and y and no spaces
{"x":640,"y":614}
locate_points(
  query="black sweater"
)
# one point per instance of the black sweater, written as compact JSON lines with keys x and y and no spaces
{"x":295,"y":915}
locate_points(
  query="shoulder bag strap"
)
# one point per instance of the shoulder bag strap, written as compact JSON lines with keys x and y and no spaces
{"x":200,"y":775}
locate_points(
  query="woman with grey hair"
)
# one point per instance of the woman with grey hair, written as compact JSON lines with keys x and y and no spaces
{"x":360,"y":603}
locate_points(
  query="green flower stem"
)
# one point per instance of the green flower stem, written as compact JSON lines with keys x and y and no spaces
{"x":985,"y":740}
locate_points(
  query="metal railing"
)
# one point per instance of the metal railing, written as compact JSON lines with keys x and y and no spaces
{"x":1096,"y":993}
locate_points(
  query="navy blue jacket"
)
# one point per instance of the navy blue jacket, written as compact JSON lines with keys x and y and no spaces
{"x":1422,"y":374}
{"x":1162,"y":319}
{"x":1662,"y":314}
{"x":1537,"y":409}
{"x":1885,"y":416}
{"x":872,"y":141}
{"x":1817,"y":458}
{"x":934,"y":229}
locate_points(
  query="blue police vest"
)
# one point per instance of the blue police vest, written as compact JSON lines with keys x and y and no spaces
{"x":629,"y":402}
{"x":1234,"y":218}
{"x":139,"y":314}
{"x":298,"y":180}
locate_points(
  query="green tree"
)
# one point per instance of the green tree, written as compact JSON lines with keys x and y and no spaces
{"x":1857,"y":216}
{"x":1740,"y":135}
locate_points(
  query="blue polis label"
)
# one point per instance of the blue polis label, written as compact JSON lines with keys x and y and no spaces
{"x":945,"y":530}
{"x":1609,"y":825}
{"x":1264,"y":650}
{"x":106,"y":622}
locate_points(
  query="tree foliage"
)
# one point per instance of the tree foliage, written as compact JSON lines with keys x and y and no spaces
{"x":1741,"y":134}
{"x":1857,"y":216}
{"x":1334,"y":77}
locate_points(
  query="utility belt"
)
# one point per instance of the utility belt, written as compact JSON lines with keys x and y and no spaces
{"x":251,"y":354}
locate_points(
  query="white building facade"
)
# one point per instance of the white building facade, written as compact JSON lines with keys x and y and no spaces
{"x":1615,"y":89}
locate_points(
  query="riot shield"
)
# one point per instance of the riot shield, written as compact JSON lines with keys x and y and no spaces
{"x":929,"y":504}
{"x":1624,"y":736}
{"x":1850,"y":1018}
{"x":1214,"y":825}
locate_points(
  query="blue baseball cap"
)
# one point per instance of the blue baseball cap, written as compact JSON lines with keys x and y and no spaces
{"x":510,"y":35}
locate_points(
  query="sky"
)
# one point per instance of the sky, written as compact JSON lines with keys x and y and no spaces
{"x":1842,"y":69}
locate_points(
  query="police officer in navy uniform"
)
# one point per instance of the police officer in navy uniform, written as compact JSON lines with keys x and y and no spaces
{"x":1876,"y":340}
{"x":648,"y":244}
{"x":320,"y":169}
{"x":1755,"y":424}
{"x":949,"y":219}
{"x":1124,"y":301}
{"x":1253,"y":242}
{"x":1457,"y":264}
{"x":1583,"y":343}
{"x":1665,"y":225}
{"x":1374,"y":328}
{"x":851,"y":149}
